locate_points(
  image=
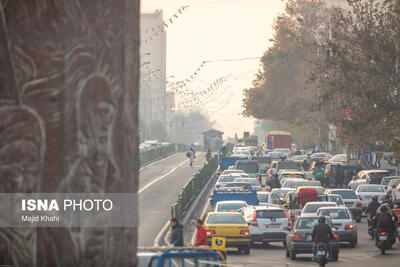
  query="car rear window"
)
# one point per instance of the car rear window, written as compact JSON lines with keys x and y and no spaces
{"x":334,"y":213}
{"x":248,"y":167}
{"x":345,"y":194}
{"x":225,"y":218}
{"x":307,"y":183}
{"x":366,"y":189}
{"x":270,"y":214}
{"x":230,"y":206}
{"x":227,"y":179}
{"x":336,"y":199}
{"x":293,"y":176}
{"x":313,"y":208}
{"x":262,"y":197}
{"x":376,"y":177}
{"x":306,"y":223}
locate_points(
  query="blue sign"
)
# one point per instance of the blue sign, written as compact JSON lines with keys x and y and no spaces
{"x":368,"y":156}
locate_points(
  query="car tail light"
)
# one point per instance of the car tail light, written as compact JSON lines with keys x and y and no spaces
{"x":245,"y":232}
{"x":382,"y":233}
{"x":297,"y":237}
{"x":253,"y":221}
{"x":359,"y":205}
{"x":211,"y":232}
{"x":336,"y":236}
{"x":359,"y":197}
{"x":349,"y":227}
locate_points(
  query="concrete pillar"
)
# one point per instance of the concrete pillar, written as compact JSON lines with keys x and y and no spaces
{"x":69,"y":75}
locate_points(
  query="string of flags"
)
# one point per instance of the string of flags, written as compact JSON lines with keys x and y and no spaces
{"x":156,"y":30}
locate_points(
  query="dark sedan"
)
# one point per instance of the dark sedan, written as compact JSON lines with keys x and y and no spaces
{"x":299,"y":239}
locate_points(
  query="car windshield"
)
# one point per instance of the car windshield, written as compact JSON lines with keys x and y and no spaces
{"x":306,"y":183}
{"x":314,"y":207}
{"x":306,"y":223}
{"x":253,"y":182}
{"x":281,"y":193}
{"x":262,"y":197}
{"x":232,"y":171}
{"x":375,"y":189}
{"x":345,"y":194}
{"x":269,"y":214}
{"x":376,"y":177}
{"x":336,"y":199}
{"x":227,"y":179}
{"x":300,"y":157}
{"x":340,"y":214}
{"x":244,"y":152}
{"x":293,"y":175}
{"x":225,"y":218}
{"x":229,"y":206}
{"x":248,"y":167}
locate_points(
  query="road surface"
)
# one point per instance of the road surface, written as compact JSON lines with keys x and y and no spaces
{"x":160,"y":184}
{"x":365,"y":254}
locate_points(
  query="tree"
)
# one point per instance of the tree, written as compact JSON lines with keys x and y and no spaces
{"x":282,"y":90}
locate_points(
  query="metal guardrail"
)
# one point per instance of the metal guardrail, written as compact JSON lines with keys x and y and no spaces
{"x":150,"y":155}
{"x":192,"y":188}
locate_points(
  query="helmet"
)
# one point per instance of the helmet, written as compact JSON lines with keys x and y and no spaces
{"x":375,"y":198}
{"x":321,"y":219}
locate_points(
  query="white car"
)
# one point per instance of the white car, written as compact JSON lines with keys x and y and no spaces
{"x":386,"y":180}
{"x":244,"y":152}
{"x":230,"y":206}
{"x":366,"y":191}
{"x":368,"y":177}
{"x":283,"y":151}
{"x":311,"y":208}
{"x":392,"y":186}
{"x":287,"y":183}
{"x":396,"y":195}
{"x":337,"y":199}
{"x":350,"y":199}
{"x":237,"y":147}
{"x":267,"y":224}
{"x":268,"y":199}
{"x":255,"y":184}
{"x":343,"y":222}
{"x":226,"y":178}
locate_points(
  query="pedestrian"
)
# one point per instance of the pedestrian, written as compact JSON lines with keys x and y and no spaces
{"x":339,"y":176}
{"x":176,"y":237}
{"x":191,"y":156}
{"x":305,"y":165}
{"x":201,"y":234}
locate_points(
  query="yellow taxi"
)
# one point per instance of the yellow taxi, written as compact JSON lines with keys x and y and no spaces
{"x":230,"y":225}
{"x":339,"y":158}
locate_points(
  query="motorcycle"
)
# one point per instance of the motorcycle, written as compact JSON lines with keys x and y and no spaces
{"x":371,"y":228}
{"x":383,"y":242}
{"x":322,"y":254}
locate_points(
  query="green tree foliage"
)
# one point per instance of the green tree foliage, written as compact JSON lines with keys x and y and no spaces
{"x":360,"y":74}
{"x":282,"y":90}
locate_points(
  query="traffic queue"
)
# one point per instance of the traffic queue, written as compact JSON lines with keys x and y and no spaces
{"x":278,"y":196}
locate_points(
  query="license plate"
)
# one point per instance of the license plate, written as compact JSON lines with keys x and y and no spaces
{"x":320,"y":253}
{"x":308,"y":237}
{"x":383,"y":237}
{"x":272,"y":225}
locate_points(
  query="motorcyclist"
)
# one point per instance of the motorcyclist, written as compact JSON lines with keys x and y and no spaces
{"x":383,"y":222}
{"x":387,"y":200}
{"x":322,"y":233}
{"x":372,"y":207}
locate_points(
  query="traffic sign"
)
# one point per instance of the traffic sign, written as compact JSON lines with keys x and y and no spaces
{"x":218,"y":243}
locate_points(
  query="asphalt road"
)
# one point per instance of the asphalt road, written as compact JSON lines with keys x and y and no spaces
{"x":160,"y":184}
{"x":364,"y":254}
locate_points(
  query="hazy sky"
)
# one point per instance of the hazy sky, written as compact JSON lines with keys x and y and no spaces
{"x":219,"y":29}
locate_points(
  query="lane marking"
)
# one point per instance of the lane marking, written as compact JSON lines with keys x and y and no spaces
{"x":163,"y":176}
{"x":156,"y":161}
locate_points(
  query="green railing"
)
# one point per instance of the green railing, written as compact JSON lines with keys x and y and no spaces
{"x":193,"y":187}
{"x":150,"y":155}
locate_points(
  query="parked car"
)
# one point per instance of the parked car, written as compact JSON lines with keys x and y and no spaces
{"x":230,"y":225}
{"x":343,"y":222}
{"x":267,"y":199}
{"x":368,"y":177}
{"x":230,"y":206}
{"x":299,"y":239}
{"x":350,"y":200}
{"x":366,"y":191}
{"x":267,"y":224}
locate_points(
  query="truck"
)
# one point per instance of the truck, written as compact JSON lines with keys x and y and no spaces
{"x":226,"y":162}
{"x":222,"y":194}
{"x":278,"y":139}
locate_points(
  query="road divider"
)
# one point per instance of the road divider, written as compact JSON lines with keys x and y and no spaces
{"x":149,"y":156}
{"x":192,"y":188}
